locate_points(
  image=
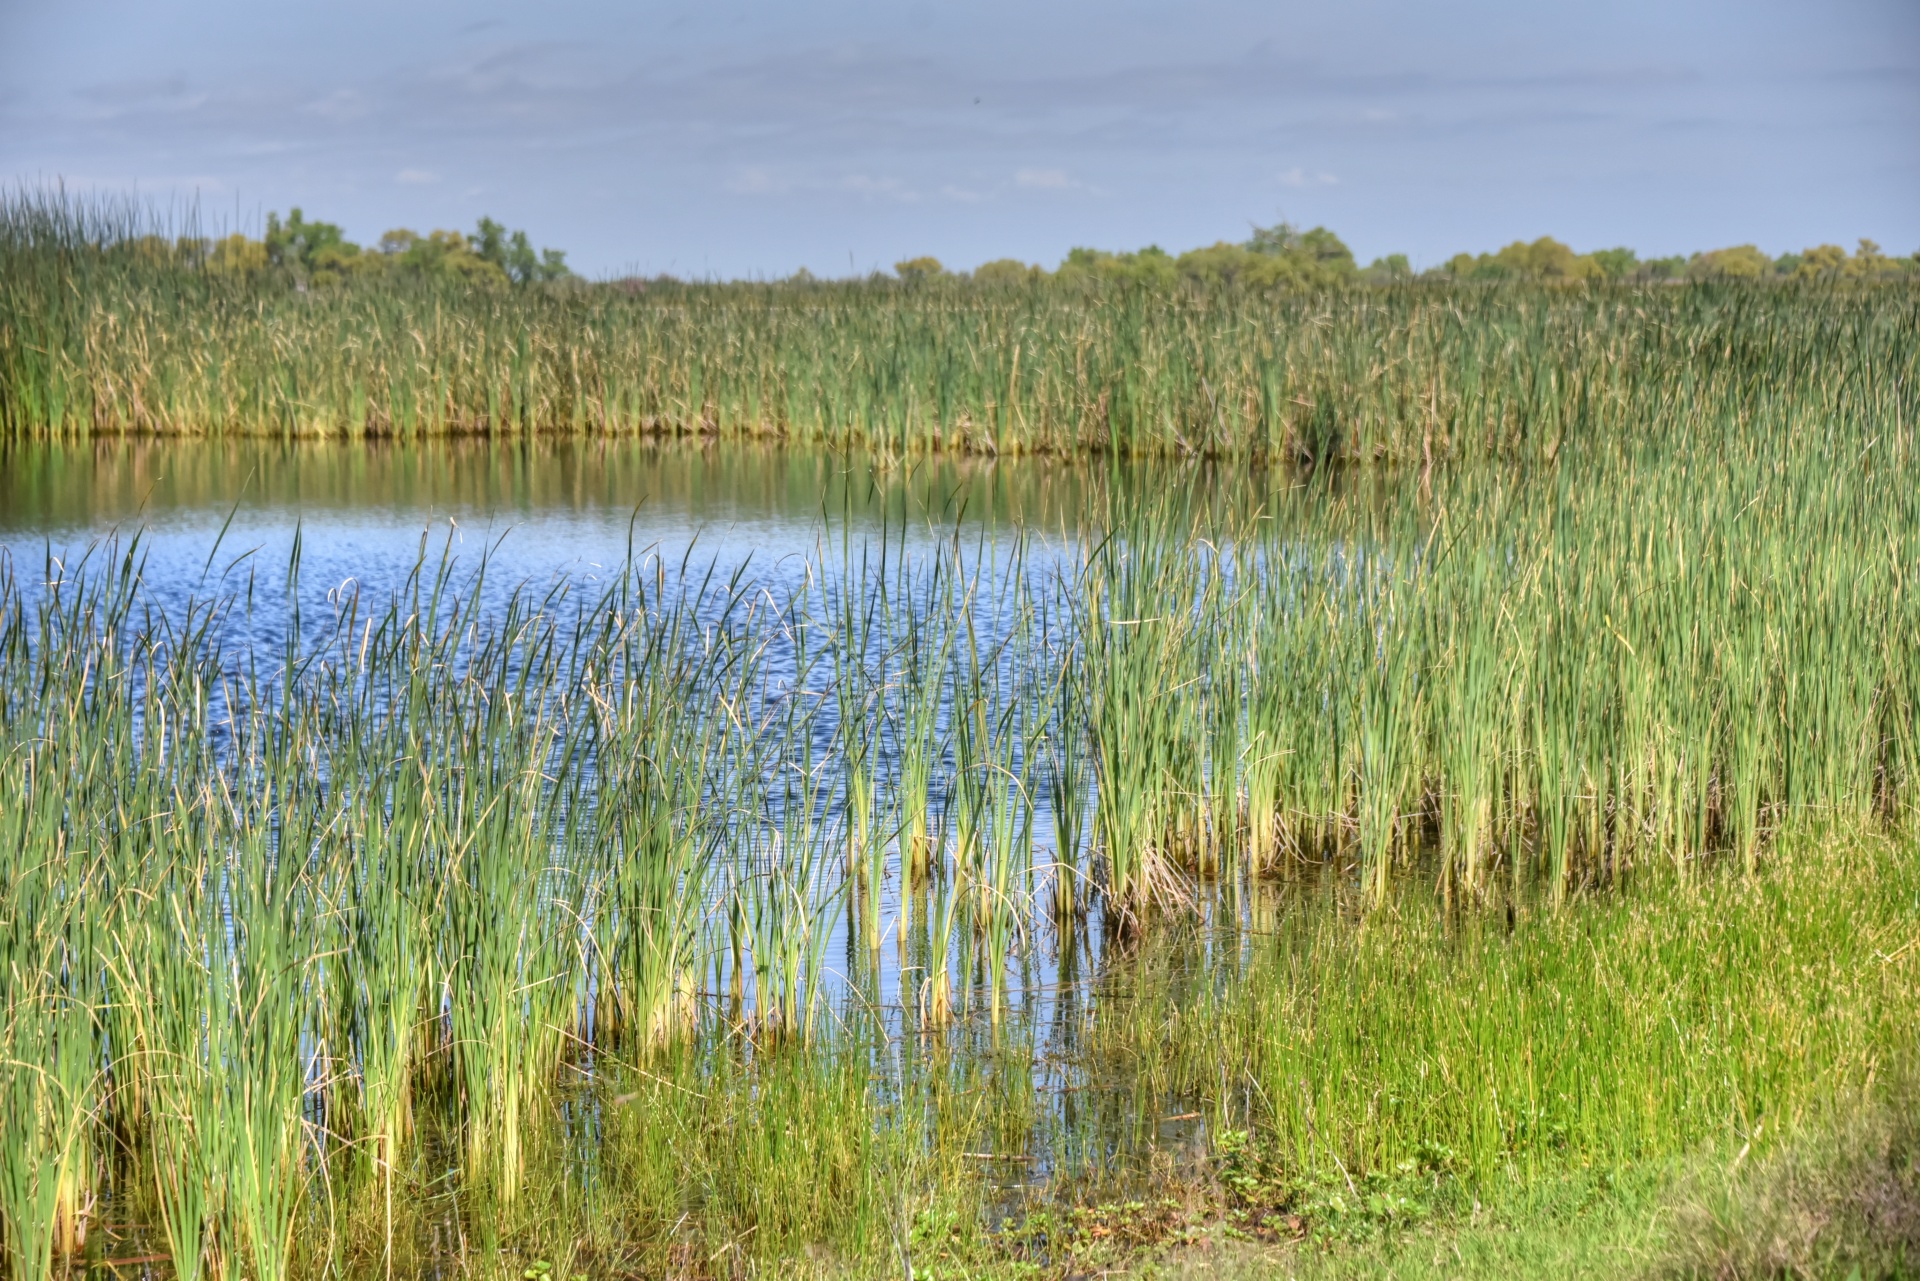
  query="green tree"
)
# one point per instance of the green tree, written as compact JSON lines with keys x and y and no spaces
{"x":1082,"y":264}
{"x":1152,"y":267}
{"x":1544,"y":259}
{"x":236,"y":255}
{"x":490,"y":242}
{"x":1312,"y":257}
{"x":1822,"y":262}
{"x":1006,"y":271}
{"x":513,"y":253}
{"x":1616,"y":264}
{"x":1221,"y":264}
{"x":1387,"y":270}
{"x":1549,"y":259}
{"x":439,"y":255}
{"x":914,"y":271}
{"x":1739,"y":262}
{"x":1869,"y":263}
{"x":304,"y":247}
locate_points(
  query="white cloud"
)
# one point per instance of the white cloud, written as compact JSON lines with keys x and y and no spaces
{"x":416,"y":177}
{"x":880,"y":188}
{"x":759,"y":180}
{"x":342,"y":106}
{"x":1045,"y":180}
{"x":1298,"y":177}
{"x":756,"y":181}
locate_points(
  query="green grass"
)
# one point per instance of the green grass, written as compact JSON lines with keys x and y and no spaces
{"x":1455,"y":833}
{"x":303,"y":921}
{"x":95,"y":340}
{"x":1627,"y":1028}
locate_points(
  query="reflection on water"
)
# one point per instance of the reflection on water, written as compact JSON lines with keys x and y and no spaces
{"x":166,"y":485}
{"x":958,"y":578}
{"x":540,"y":509}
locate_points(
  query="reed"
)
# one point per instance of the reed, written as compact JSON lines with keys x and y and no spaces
{"x":97,"y":338}
{"x":293,"y":903}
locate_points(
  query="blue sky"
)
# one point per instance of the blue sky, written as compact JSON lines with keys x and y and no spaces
{"x":733,"y":138}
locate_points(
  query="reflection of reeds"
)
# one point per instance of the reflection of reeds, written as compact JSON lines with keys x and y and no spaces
{"x":1069,"y":780}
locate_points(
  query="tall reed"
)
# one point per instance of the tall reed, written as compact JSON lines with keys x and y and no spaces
{"x":98,"y":337}
{"x":282,"y":887}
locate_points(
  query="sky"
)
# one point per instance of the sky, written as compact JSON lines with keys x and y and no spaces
{"x":731,"y":138}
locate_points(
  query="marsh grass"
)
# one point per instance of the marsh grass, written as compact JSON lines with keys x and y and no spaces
{"x":1545,"y":814}
{"x":1840,"y":1197}
{"x":96,"y":337}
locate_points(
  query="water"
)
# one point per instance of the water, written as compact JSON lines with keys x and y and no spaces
{"x":804,"y":532}
{"x":560,"y":506}
{"x":215,"y":518}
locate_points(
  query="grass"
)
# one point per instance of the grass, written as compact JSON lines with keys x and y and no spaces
{"x":1838,"y":1199}
{"x":377,"y":912}
{"x":1835,"y":1199}
{"x":1630,"y":1028}
{"x":94,"y":340}
{"x":1535,"y":836}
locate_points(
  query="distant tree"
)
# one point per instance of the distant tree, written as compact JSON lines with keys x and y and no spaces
{"x":1616,"y":264}
{"x":1740,"y":262}
{"x":236,"y":255}
{"x":490,"y":242}
{"x":1393,"y":267}
{"x":1224,"y":264}
{"x":519,"y":261}
{"x":1152,"y":266}
{"x":1547,"y":259}
{"x":1312,"y":257}
{"x":1822,"y":262}
{"x":915,"y":271}
{"x":1006,"y":271}
{"x":513,"y":253}
{"x":1082,"y":264}
{"x":1869,"y":263}
{"x":153,"y":251}
{"x":439,"y":255}
{"x":308,"y":249}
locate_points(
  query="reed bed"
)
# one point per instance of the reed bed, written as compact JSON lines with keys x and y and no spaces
{"x":295,"y":901}
{"x":738,"y":915}
{"x":97,"y":336}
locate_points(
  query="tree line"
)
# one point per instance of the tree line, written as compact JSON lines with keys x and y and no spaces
{"x":315,"y":253}
{"x":1285,"y":255}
